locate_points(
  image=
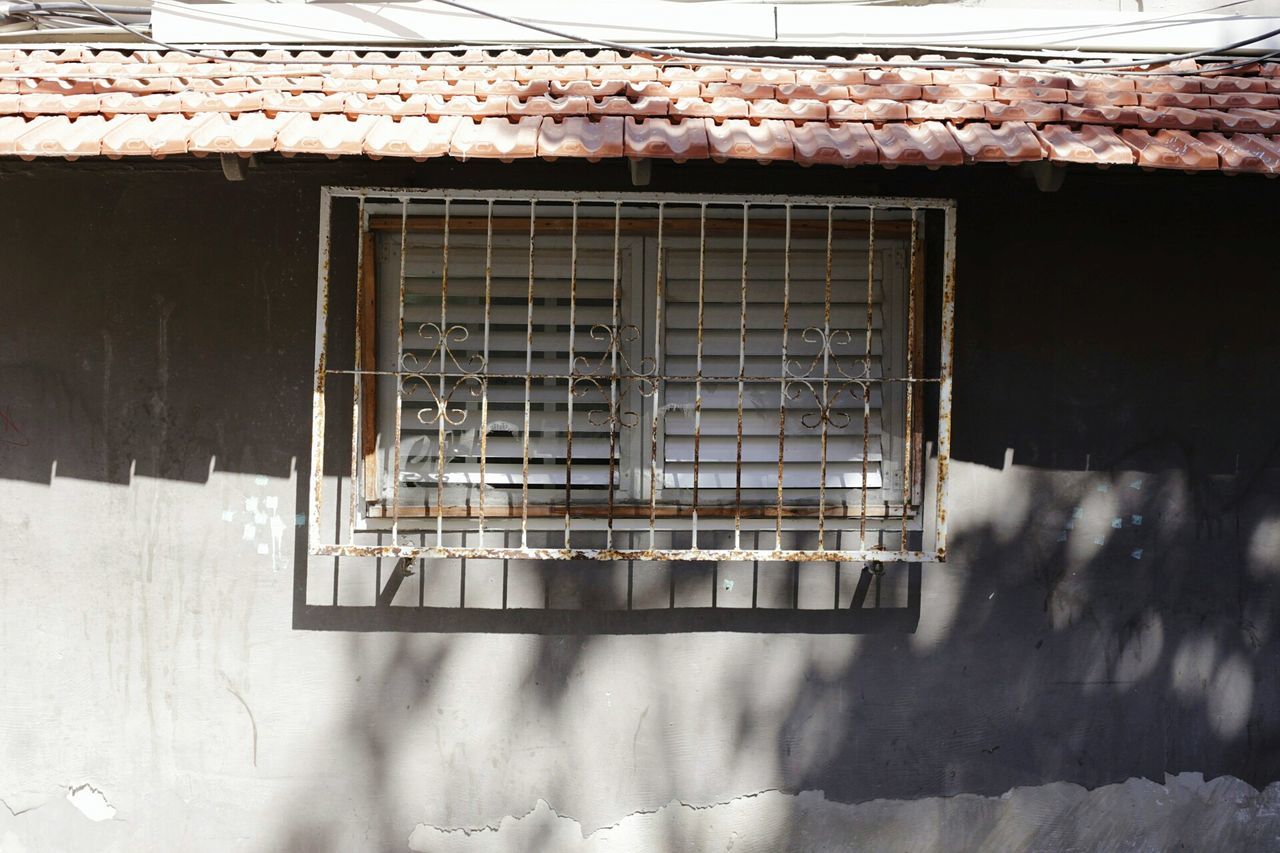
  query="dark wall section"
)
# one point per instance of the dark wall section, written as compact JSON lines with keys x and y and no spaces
{"x":157,"y":316}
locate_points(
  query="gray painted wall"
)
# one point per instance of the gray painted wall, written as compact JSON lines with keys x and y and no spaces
{"x":178,"y":677}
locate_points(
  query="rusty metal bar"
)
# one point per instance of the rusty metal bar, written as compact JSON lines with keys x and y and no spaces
{"x":742,"y":370}
{"x":356,"y":384}
{"x":395,"y":467}
{"x":528,"y":384}
{"x":568,"y":430}
{"x":824,"y":404}
{"x":442,"y":415}
{"x":945,"y":374}
{"x":697,"y":382}
{"x":614,"y":403}
{"x":414,"y":552}
{"x":866,"y":377}
{"x":659,"y":302}
{"x":783,"y":369}
{"x":484,"y":388}
{"x":817,"y":201}
{"x":908,"y":431}
{"x":323,"y":272}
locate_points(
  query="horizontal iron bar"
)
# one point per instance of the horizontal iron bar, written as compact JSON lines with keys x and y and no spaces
{"x":705,"y":377}
{"x":415,"y":552}
{"x":401,"y":195}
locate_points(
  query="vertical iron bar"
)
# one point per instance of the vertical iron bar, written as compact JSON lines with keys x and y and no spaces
{"x":484,"y":384}
{"x":824,"y":406}
{"x":528,"y":383}
{"x":782,"y":381}
{"x":697,"y":381}
{"x":568,"y":434}
{"x":742,"y":371}
{"x":866,"y":374}
{"x":614,"y":413}
{"x":321,"y":367}
{"x":945,"y":376}
{"x":659,"y":384}
{"x":908,"y":432}
{"x":444,"y":349}
{"x":395,"y":466}
{"x":357,"y":379}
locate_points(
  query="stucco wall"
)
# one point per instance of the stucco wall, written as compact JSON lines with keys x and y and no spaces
{"x":1107,"y":617}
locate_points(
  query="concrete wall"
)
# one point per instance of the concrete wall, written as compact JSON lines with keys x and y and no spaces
{"x":1107,"y":618}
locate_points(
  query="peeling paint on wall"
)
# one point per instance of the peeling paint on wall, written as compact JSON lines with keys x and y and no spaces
{"x":1185,"y":812}
{"x":91,"y":802}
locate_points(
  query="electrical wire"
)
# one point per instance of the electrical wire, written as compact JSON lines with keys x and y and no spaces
{"x":668,"y":55}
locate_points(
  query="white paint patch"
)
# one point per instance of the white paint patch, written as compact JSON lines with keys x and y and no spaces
{"x":91,"y":802}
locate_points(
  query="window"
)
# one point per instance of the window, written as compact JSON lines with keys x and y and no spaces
{"x":640,"y":376}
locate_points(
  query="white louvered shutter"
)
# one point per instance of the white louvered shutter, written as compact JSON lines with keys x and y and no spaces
{"x":506,"y":365}
{"x":718,"y":445}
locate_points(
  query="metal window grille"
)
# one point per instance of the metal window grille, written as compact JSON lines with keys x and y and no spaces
{"x":626,"y":376}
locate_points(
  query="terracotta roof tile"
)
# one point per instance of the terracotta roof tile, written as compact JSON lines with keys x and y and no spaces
{"x":741,"y":140}
{"x":331,"y":135}
{"x":546,"y":105}
{"x":1189,"y":85}
{"x":718,"y":108}
{"x":881,"y":110}
{"x":1089,"y":144}
{"x":945,"y":110}
{"x":799,"y":110}
{"x":63,"y":137}
{"x":1170,"y":149}
{"x":927,"y":144}
{"x":1032,"y":79}
{"x":81,"y":101}
{"x":1226,"y":85}
{"x":1101,"y":98}
{"x":315,"y":103}
{"x":1173,"y":118}
{"x":846,"y":144}
{"x":751,"y":91}
{"x":955,"y":77}
{"x":248,"y":133}
{"x":830,"y":76}
{"x":891,"y":92}
{"x":799,"y":91}
{"x":588,"y":88}
{"x":1011,"y":142}
{"x":1252,"y":100}
{"x":620,"y":106}
{"x":69,"y":105}
{"x":1116,"y":116}
{"x":1043,"y":94}
{"x":665,"y":139}
{"x":415,"y":136}
{"x":156,"y":137}
{"x":581,"y":137}
{"x":496,"y":138}
{"x":1189,"y":100}
{"x":1030,"y":111}
{"x":898,"y":76}
{"x":1246,"y":120}
{"x":1244,"y":152}
{"x":959,"y":91}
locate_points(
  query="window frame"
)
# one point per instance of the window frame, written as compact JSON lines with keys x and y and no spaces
{"x":932,"y":548}
{"x":640,"y":309}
